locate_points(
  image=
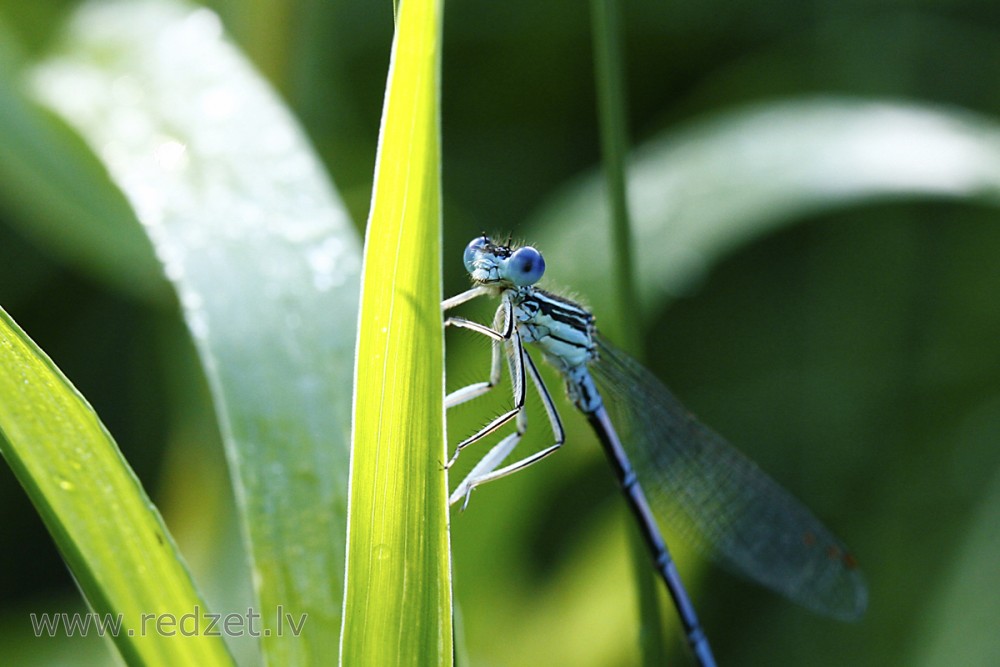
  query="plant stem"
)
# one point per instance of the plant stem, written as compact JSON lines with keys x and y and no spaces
{"x":609,"y":71}
{"x":611,"y":96}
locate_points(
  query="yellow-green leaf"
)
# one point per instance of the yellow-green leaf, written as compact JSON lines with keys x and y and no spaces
{"x":101,"y":519}
{"x":397,"y":606}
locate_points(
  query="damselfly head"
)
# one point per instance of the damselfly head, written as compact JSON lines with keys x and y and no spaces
{"x":488,"y":262}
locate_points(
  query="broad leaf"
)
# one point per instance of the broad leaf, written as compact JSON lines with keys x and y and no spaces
{"x":265,"y":262}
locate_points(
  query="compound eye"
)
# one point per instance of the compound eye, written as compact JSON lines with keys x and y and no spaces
{"x":525,"y":266}
{"x":475,"y":248}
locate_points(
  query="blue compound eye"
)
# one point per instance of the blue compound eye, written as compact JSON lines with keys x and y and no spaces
{"x":525,"y":266}
{"x":476,"y":247}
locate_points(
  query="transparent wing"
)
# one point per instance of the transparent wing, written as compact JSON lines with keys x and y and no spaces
{"x":701,"y":486}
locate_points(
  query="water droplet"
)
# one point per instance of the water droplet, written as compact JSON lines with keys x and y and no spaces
{"x":171,"y":155}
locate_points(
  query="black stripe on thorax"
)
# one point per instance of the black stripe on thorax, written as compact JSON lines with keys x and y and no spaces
{"x":559,"y":309}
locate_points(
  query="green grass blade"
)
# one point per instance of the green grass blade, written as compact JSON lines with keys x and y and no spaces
{"x":101,"y":519}
{"x":612,"y":116}
{"x":266,"y":264}
{"x":397,"y":607}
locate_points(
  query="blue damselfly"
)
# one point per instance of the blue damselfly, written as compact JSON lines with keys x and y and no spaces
{"x":669,"y":466}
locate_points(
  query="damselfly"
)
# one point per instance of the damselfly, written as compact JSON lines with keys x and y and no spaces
{"x":670,"y":466}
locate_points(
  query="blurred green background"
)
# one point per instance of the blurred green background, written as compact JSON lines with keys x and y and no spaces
{"x":853,"y":354}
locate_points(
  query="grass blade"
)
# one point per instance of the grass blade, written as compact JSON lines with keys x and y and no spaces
{"x":612,"y":115}
{"x":101,"y":519}
{"x":397,"y":607}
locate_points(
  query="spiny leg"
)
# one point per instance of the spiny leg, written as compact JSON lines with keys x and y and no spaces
{"x":465,"y":296}
{"x":500,"y":451}
{"x":484,"y":467}
{"x":550,"y":406}
{"x":486,"y":470}
{"x":463,"y":323}
{"x":516,"y":365}
{"x":503,"y":320}
{"x":477,"y":389}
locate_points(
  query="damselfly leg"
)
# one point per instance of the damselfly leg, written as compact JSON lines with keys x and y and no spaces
{"x":519,"y":364}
